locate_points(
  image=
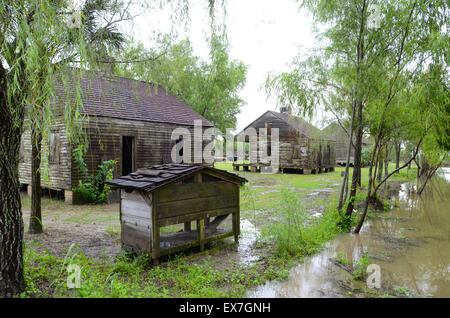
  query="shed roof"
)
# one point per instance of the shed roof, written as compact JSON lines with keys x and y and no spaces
{"x":159,"y":175}
{"x":124,"y":98}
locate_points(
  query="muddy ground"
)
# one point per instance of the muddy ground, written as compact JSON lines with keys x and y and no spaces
{"x":95,"y":229}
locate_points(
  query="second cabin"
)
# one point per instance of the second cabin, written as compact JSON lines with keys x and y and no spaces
{"x":303,"y":148}
{"x":170,"y":194}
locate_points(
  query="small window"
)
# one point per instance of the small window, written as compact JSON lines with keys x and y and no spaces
{"x":53,"y":147}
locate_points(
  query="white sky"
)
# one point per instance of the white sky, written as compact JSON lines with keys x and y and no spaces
{"x":265,"y":34}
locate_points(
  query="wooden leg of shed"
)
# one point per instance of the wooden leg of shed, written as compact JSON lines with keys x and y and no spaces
{"x":187,"y":226}
{"x":156,"y":247}
{"x":201,"y":233}
{"x":236,"y":226}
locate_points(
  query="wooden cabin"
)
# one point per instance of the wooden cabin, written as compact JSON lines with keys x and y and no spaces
{"x":124,"y":120}
{"x":169,"y":194}
{"x":303,"y":148}
{"x":341,"y":135}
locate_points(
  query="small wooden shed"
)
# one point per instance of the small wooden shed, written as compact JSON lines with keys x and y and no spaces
{"x":168,"y":194}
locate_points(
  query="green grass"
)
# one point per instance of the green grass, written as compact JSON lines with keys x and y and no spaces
{"x":298,"y":234}
{"x":132,"y":276}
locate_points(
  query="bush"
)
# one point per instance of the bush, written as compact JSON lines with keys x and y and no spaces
{"x":94,"y":188}
{"x":360,"y":271}
{"x":365,"y":156}
{"x":296,"y":233}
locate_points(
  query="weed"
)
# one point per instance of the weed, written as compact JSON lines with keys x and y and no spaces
{"x":360,"y":272}
{"x":342,"y":258}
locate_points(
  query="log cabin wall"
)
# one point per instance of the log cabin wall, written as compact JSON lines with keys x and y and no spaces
{"x":152,"y":143}
{"x":59,"y":168}
{"x":295,"y":150}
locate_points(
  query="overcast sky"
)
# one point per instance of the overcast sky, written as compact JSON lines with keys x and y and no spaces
{"x":264,"y":34}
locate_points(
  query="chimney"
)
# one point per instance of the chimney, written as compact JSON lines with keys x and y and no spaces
{"x":285,"y":109}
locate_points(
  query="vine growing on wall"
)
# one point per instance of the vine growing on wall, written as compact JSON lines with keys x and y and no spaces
{"x":92,"y":188}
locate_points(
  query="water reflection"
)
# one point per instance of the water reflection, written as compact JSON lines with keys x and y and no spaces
{"x":411,"y":244}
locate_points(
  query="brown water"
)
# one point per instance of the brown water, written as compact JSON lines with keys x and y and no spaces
{"x":411,"y":244}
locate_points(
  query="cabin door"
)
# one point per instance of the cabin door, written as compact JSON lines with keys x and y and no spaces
{"x":127,"y":155}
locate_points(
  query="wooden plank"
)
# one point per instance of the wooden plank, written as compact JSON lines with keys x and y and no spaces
{"x":212,"y":226}
{"x":195,"y":243}
{"x":173,"y":209}
{"x":195,"y":191}
{"x":201,"y":234}
{"x":133,"y":237}
{"x":135,"y":208}
{"x":195,"y":216}
{"x":155,"y":251}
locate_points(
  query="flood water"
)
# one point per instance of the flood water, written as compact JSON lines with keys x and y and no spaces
{"x":410,"y":243}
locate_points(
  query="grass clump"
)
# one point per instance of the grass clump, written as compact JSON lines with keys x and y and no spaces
{"x":360,"y":272}
{"x":297,"y":233}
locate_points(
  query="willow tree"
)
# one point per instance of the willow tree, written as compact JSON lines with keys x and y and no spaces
{"x":40,"y":40}
{"x":23,"y":26}
{"x":211,"y":88}
{"x":100,"y":40}
{"x":371,"y":49}
{"x":33,"y":56}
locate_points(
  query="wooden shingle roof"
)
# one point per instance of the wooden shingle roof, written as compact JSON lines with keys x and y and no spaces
{"x":124,"y":98}
{"x":294,"y":123}
{"x":157,"y":176}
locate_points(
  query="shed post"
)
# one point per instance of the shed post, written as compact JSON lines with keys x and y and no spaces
{"x":236,"y":219}
{"x":201,"y":233}
{"x":155,"y":233}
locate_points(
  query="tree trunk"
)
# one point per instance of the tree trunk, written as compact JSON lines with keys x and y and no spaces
{"x":344,"y":188}
{"x":11,"y":224}
{"x":356,"y":178}
{"x":380,"y":170}
{"x":36,"y":190}
{"x":397,"y":155}
{"x":369,"y":188}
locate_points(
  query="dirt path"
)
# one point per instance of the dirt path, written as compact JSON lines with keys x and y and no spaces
{"x":94,"y":231}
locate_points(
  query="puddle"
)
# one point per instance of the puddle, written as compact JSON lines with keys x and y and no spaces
{"x":249,"y":236}
{"x":411,"y":244}
{"x":270,"y":191}
{"x":319,"y":191}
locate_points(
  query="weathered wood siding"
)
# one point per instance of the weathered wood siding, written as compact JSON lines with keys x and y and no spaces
{"x":136,"y":221}
{"x":58,"y":172}
{"x":184,"y":202}
{"x":153,"y":143}
{"x":295,"y":150}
